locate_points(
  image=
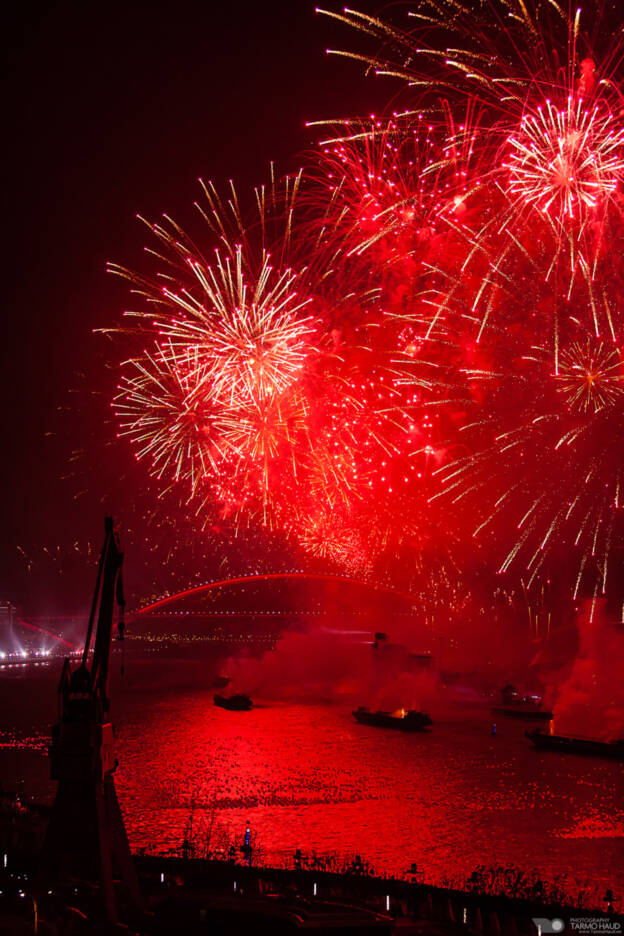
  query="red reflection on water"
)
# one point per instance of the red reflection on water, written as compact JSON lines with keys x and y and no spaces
{"x":309,"y":777}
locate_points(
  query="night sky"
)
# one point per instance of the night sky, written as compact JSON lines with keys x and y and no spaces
{"x":118,"y":112}
{"x":113,"y":112}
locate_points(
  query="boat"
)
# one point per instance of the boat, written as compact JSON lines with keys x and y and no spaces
{"x":565,"y":744}
{"x":525,"y":707}
{"x":235,"y":703}
{"x":525,"y":712}
{"x":402,"y":720}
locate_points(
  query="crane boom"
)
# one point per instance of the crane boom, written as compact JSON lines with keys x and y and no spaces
{"x":86,"y":838}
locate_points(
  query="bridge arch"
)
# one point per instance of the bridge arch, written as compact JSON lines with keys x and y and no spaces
{"x":268,"y":576}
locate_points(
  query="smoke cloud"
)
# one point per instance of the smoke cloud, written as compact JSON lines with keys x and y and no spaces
{"x":591,"y":700}
{"x":342,"y":666}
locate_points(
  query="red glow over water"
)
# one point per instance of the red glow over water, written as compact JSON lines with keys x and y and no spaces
{"x":305,"y":775}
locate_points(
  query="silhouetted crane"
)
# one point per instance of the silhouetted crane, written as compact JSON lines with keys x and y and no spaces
{"x":86,"y":839}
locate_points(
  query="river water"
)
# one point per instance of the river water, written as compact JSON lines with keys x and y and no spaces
{"x":305,"y":776}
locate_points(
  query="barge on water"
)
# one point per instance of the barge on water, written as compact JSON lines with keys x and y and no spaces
{"x":524,"y":712}
{"x":403,"y":720}
{"x":526,"y":707}
{"x":565,"y":744}
{"x":235,"y":703}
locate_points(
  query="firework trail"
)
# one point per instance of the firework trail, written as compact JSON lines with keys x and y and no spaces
{"x":544,"y":470}
{"x":371,"y":180}
{"x":261,"y":393}
{"x":531,"y":451}
{"x":591,"y":375}
{"x":547,"y":120}
{"x":408,"y":358}
{"x":215,"y":397}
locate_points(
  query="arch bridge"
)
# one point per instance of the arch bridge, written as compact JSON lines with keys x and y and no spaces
{"x":377,"y":587}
